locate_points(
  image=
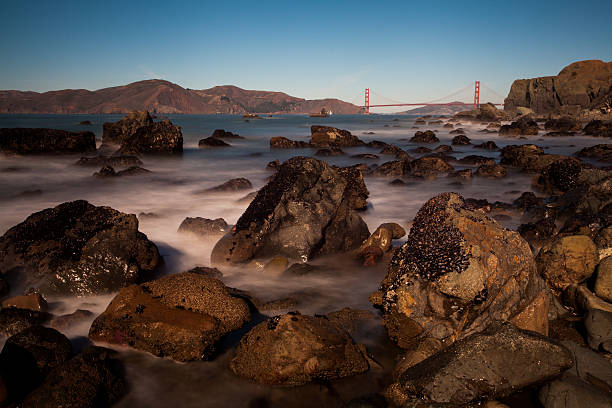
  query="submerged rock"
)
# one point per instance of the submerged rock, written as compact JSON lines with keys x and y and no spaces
{"x":523,"y":126}
{"x":484,"y":366}
{"x":280,"y":142}
{"x":528,"y":157}
{"x":458,"y":272}
{"x":326,"y":136}
{"x":307,"y":209}
{"x":204,"y":227}
{"x":78,"y":248}
{"x":94,"y":378}
{"x":112,"y":161}
{"x":601,"y":152}
{"x":45,"y":141}
{"x":223,"y":134}
{"x":181,"y":316}
{"x":334,"y":151}
{"x":599,"y":128}
{"x":491,"y":171}
{"x":237,"y":184}
{"x":295,"y":349}
{"x":212,"y":142}
{"x":425,"y":137}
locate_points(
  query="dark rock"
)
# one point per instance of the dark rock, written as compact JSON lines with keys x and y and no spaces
{"x":222,"y":134}
{"x":425,"y":137}
{"x":458,"y":131}
{"x":169,"y":317}
{"x":439,"y":284}
{"x":598,"y":325}
{"x":280,"y":142}
{"x":563,"y":124}
{"x":428,"y":167}
{"x":365,"y":156}
{"x":117,"y":132}
{"x":601,"y":152}
{"x":376,"y":144}
{"x":559,"y":176}
{"x":78,"y":248}
{"x":45,"y":141}
{"x":66,"y":321}
{"x":206,"y":271}
{"x":94,"y":378}
{"x":32,"y":301}
{"x":112,"y":161}
{"x":326,"y":136}
{"x":489,"y":365}
{"x":301,"y":269}
{"x":396,"y":151}
{"x":237,"y":184}
{"x":422,"y":150}
{"x":528,"y":157}
{"x":212,"y":142}
{"x":351,"y":319}
{"x":304,"y":191}
{"x":523,"y":126}
{"x":157,"y":138}
{"x":14,"y":320}
{"x":598,"y":128}
{"x":85,"y":123}
{"x":537,"y":233}
{"x":484,"y":113}
{"x":109,"y":172}
{"x":295,"y":349}
{"x":204,"y":227}
{"x":476,"y":160}
{"x":461,"y":174}
{"x":489,"y":145}
{"x":526,"y":200}
{"x":603,"y":283}
{"x":29,"y":356}
{"x":334,"y":151}
{"x":491,"y":171}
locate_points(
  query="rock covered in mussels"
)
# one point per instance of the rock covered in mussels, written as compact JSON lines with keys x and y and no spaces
{"x":294,"y":349}
{"x":45,"y":141}
{"x":457,"y":273}
{"x":78,"y":248}
{"x":181,"y":316}
{"x":327,"y":136}
{"x":484,"y":366}
{"x":308,"y":208}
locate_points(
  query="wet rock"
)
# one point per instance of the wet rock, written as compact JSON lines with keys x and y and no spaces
{"x":33,"y":301}
{"x":212,"y":143}
{"x":422,"y":150}
{"x":14,"y":320}
{"x":351,"y":320}
{"x":395,"y":151}
{"x":204,"y":227}
{"x":523,"y":126}
{"x":443,"y":148}
{"x":376,"y":144}
{"x":393,"y":168}
{"x":112,"y":161}
{"x":304,"y":191}
{"x":280,"y":142}
{"x":476,"y":160}
{"x":425,"y":137}
{"x":237,"y":184}
{"x":601,"y":152}
{"x":428,"y":167}
{"x":207,"y":271}
{"x":66,"y":321}
{"x":461,"y":174}
{"x":563,"y":124}
{"x":273,"y":165}
{"x":581,"y":299}
{"x":526,"y":200}
{"x":603,"y":283}
{"x":365,"y":156}
{"x":488,"y":365}
{"x":94,"y":378}
{"x":301,"y":269}
{"x":27,"y":141}
{"x":559,"y":176}
{"x":109,"y":172}
{"x":528,"y":157}
{"x":484,"y":113}
{"x":78,"y":248}
{"x":372,"y":250}
{"x":598,"y":128}
{"x":117,"y":132}
{"x":276,"y":265}
{"x":157,"y":138}
{"x":539,"y":232}
{"x":567,"y":260}
{"x":458,"y":131}
{"x":169,"y":317}
{"x":491,"y":171}
{"x":457,"y":273}
{"x":326,"y":136}
{"x":29,"y":356}
{"x":334,"y":151}
{"x":295,"y":349}
{"x":488,"y":145}
{"x":598,"y":325}
{"x":223,"y":134}
{"x":85,"y":123}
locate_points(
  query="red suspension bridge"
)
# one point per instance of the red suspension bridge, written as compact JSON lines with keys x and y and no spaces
{"x":439,"y":102}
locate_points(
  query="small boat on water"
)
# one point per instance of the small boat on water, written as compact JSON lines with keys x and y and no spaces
{"x":322,"y":114}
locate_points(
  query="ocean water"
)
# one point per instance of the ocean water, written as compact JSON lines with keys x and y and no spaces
{"x":175,"y":189}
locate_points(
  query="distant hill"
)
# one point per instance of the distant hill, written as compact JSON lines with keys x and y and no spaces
{"x":437,"y":110}
{"x":161,"y":96}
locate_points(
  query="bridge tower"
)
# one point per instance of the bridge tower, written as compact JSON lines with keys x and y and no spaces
{"x":476,"y":94}
{"x":366,"y":106}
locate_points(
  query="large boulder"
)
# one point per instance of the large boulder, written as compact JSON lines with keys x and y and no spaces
{"x":525,"y":125}
{"x":78,"y":248}
{"x":327,"y":136}
{"x":157,"y":138}
{"x":563,"y":124}
{"x":94,"y":378}
{"x":528,"y":157}
{"x":580,"y":85}
{"x":458,"y":272}
{"x":14,"y":320}
{"x":601,"y":152}
{"x":180,"y":316}
{"x":117,"y":132}
{"x":484,"y":366}
{"x":427,"y":136}
{"x":566,"y":260}
{"x":204,"y":227}
{"x":45,"y":141}
{"x":294,"y":349}
{"x":29,"y":356}
{"x":307,"y":209}
{"x":599,"y":128}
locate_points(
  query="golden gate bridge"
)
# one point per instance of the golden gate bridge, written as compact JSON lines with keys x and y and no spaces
{"x":475,"y":104}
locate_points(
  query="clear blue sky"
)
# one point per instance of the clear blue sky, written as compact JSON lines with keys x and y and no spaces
{"x":401,"y":49}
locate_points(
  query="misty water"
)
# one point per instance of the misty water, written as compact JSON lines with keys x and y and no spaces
{"x":175,"y":189}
